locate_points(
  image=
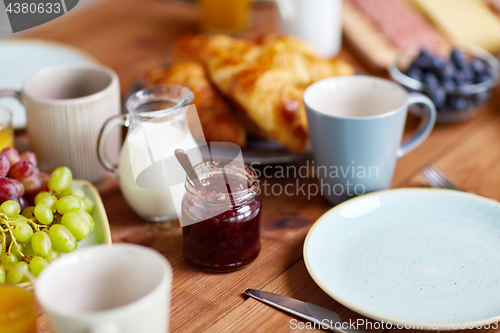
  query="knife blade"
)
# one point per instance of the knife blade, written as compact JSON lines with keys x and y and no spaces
{"x":324,"y":317}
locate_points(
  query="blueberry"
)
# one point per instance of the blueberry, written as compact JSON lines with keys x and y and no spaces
{"x":448,"y":70}
{"x":438,"y":97}
{"x":424,"y":60}
{"x":460,"y":77}
{"x":482,"y":96}
{"x":460,"y":103}
{"x":458,"y":58}
{"x":448,"y":85}
{"x":414,"y":73}
{"x":437,"y":64}
{"x":431,"y":80}
{"x":468,"y":73}
{"x":477,"y":66}
{"x":481,"y":78}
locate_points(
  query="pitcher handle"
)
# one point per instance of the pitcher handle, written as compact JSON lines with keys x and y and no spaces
{"x":102,"y":141}
{"x":425,"y":127}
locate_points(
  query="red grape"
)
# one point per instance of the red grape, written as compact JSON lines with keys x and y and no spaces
{"x":32,"y":184}
{"x":28,"y":156}
{"x":45,"y":181}
{"x":8,"y":189}
{"x":4,"y":165}
{"x":12,"y":154}
{"x":20,"y":187}
{"x":23,"y":203}
{"x":22,"y":170}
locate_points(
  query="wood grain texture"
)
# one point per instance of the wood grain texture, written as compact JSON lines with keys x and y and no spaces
{"x":131,"y":36}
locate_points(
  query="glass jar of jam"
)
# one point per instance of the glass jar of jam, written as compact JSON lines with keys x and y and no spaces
{"x":221,"y":219}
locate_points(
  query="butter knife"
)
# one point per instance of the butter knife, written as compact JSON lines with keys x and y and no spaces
{"x":326,"y":319}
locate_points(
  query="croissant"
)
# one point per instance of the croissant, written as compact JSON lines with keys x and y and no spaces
{"x":265,"y":79}
{"x":218,"y":122}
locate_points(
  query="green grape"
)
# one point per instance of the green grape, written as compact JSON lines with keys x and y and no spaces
{"x":53,"y":255}
{"x":72,"y":191}
{"x":49,"y":200}
{"x":62,"y":239}
{"x":28,"y":250}
{"x":7,"y":238}
{"x":76,"y":224}
{"x":37,"y":264}
{"x":28,"y":212}
{"x":16,"y":272}
{"x":43,"y":213}
{"x":15,"y":251}
{"x":41,"y":244}
{"x":60,"y":179}
{"x":89,"y":205}
{"x":41,"y":195}
{"x":2,"y":275}
{"x":11,"y":208}
{"x":68,"y":204}
{"x":87,"y":217}
{"x":8,"y":260}
{"x":23,"y":232}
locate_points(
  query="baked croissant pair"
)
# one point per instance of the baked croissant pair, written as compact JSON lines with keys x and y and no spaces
{"x":265,"y":80}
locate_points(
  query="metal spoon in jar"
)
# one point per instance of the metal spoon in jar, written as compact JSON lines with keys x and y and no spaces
{"x":183,"y":159}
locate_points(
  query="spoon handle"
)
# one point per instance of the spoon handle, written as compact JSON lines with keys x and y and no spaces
{"x":183,"y":159}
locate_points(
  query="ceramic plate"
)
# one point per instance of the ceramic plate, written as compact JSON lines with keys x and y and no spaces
{"x":21,"y":57}
{"x":261,"y":151}
{"x":101,"y":233}
{"x":414,"y":256}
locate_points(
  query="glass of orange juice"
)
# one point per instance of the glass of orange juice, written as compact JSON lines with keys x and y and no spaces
{"x":17,"y":310}
{"x":6,"y":129}
{"x":224,"y":15}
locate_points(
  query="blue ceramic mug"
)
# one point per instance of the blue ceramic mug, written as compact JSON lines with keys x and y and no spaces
{"x":356,"y":125}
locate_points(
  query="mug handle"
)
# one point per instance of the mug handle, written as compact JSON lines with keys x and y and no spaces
{"x":11,"y":93}
{"x":102,"y":141}
{"x":425,"y":127}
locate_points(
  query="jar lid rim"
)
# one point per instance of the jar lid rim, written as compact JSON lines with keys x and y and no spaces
{"x":228,"y":167}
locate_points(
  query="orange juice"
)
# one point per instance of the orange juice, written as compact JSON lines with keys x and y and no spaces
{"x":6,"y":137}
{"x":17,"y":310}
{"x":224,"y":15}
{"x":6,"y":129}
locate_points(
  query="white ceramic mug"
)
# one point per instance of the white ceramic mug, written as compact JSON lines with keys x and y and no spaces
{"x":318,"y":22}
{"x":356,"y":125}
{"x":122,"y":288}
{"x":66,"y":106}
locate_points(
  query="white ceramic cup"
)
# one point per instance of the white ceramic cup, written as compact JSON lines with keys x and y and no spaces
{"x":107,"y":289}
{"x":318,"y":22}
{"x":66,"y":106}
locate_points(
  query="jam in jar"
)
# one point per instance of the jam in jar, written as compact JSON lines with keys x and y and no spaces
{"x":221,"y":220}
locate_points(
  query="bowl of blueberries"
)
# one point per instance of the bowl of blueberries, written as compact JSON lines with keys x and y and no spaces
{"x":458,"y":83}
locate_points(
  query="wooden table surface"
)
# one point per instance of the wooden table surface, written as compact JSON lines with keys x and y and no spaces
{"x":131,"y":36}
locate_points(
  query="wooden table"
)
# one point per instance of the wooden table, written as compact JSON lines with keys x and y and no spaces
{"x":131,"y":36}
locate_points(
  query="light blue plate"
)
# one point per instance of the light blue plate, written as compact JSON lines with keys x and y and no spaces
{"x":427,"y":257}
{"x":21,"y":57}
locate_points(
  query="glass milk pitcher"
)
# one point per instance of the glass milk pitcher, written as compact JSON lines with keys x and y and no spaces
{"x":151,"y":179}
